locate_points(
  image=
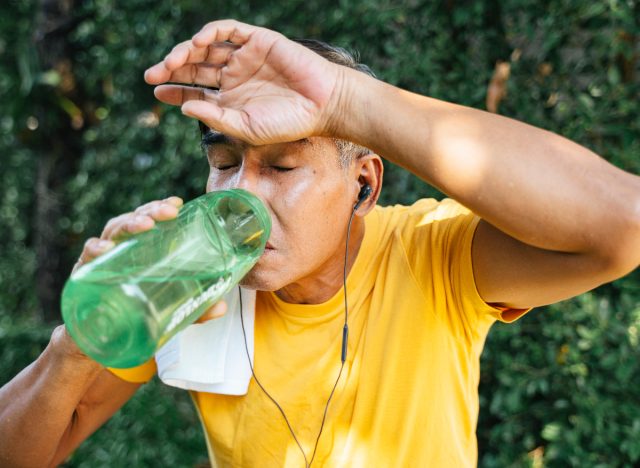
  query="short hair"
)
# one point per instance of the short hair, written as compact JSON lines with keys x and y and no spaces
{"x":347,"y":150}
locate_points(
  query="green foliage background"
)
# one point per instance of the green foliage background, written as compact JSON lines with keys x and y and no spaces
{"x":82,"y":140}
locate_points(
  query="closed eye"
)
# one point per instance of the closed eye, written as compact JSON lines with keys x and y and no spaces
{"x":227,"y":167}
{"x":282,"y":168}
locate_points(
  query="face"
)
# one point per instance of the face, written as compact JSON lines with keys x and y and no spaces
{"x":305,"y":191}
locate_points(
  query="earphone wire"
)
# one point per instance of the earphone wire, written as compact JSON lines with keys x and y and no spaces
{"x":345,"y":333}
{"x":255,"y":377}
{"x":343,"y":356}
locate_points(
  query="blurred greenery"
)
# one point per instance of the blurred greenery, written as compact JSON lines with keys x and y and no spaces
{"x":82,"y":139}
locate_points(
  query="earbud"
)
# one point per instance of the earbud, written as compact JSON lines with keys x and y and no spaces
{"x":365,"y":192}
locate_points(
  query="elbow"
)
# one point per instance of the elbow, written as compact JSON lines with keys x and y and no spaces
{"x":622,"y":248}
{"x":635,"y":236}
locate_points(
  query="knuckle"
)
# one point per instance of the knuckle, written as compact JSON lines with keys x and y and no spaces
{"x":127,"y":219}
{"x":91,"y":243}
{"x":116,"y":225}
{"x":114,"y":222}
{"x":141,"y":209}
{"x":129,"y":225}
{"x":134,"y":223}
{"x":109,"y":225}
{"x":147,"y":207}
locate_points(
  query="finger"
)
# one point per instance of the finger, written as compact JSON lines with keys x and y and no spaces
{"x":126,"y":225}
{"x":131,"y":223}
{"x":179,"y":55}
{"x":93,"y":248}
{"x":217,"y":53}
{"x":229,"y":121}
{"x":160,"y":72}
{"x":197,"y":74}
{"x":158,"y":210}
{"x":157,"y":74}
{"x":135,"y":224}
{"x":177,"y":95}
{"x":215,"y":311}
{"x":175,"y":201}
{"x":224,"y":30}
{"x":189,"y":64}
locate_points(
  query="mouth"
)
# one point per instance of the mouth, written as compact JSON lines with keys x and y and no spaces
{"x":268,"y":251}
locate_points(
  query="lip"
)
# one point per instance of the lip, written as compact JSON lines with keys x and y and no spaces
{"x":268,"y":246}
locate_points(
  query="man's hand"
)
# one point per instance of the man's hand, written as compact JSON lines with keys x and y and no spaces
{"x":123,"y":226}
{"x":135,"y":222}
{"x":270,"y":89}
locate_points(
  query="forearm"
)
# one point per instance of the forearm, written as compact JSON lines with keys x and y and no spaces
{"x":536,"y":186}
{"x":38,"y":405}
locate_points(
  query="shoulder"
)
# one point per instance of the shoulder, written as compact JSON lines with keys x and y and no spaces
{"x":422,"y":216}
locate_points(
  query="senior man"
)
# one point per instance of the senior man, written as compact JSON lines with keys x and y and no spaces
{"x":537,"y":219}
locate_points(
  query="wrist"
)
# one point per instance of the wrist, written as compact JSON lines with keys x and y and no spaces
{"x":63,"y":350}
{"x":348,"y":111}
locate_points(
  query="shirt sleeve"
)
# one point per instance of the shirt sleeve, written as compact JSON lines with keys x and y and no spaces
{"x":438,"y":238}
{"x":140,"y":374}
{"x":464,"y":277}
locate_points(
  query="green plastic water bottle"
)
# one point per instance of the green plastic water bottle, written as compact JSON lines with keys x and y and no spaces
{"x":124,"y":305}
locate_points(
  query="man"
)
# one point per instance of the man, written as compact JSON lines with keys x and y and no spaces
{"x":546,"y":220}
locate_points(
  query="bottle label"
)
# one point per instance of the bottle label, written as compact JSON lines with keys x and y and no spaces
{"x":193,"y":303}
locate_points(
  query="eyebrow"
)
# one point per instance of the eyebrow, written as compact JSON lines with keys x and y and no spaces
{"x":215,"y":138}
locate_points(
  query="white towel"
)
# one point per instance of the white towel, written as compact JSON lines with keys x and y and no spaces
{"x":211,"y":356}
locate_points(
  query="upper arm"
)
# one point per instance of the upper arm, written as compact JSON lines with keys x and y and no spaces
{"x":105,"y":396}
{"x":514,"y":274}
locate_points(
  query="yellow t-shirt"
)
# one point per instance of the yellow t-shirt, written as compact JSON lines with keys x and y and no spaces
{"x":408,"y":395}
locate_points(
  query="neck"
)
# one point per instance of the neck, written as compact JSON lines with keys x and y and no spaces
{"x":323,"y":285}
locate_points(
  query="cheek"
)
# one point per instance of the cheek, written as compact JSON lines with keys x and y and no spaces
{"x":292,"y":204}
{"x":292,"y":194}
{"x":313,"y":223}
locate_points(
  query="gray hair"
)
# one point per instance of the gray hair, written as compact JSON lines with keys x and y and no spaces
{"x":347,"y":150}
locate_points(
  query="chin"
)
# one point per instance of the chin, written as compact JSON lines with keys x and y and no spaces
{"x":261,"y":281}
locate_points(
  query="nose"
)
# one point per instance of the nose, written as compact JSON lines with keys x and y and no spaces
{"x":246,"y":174}
{"x":247,"y":178}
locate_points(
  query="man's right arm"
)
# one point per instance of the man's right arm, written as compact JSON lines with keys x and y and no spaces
{"x":53,"y":405}
{"x":48,"y":409}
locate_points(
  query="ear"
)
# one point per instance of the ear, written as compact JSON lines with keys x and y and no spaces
{"x":368,"y":170}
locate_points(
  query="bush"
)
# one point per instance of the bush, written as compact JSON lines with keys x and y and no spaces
{"x":82,"y":139}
